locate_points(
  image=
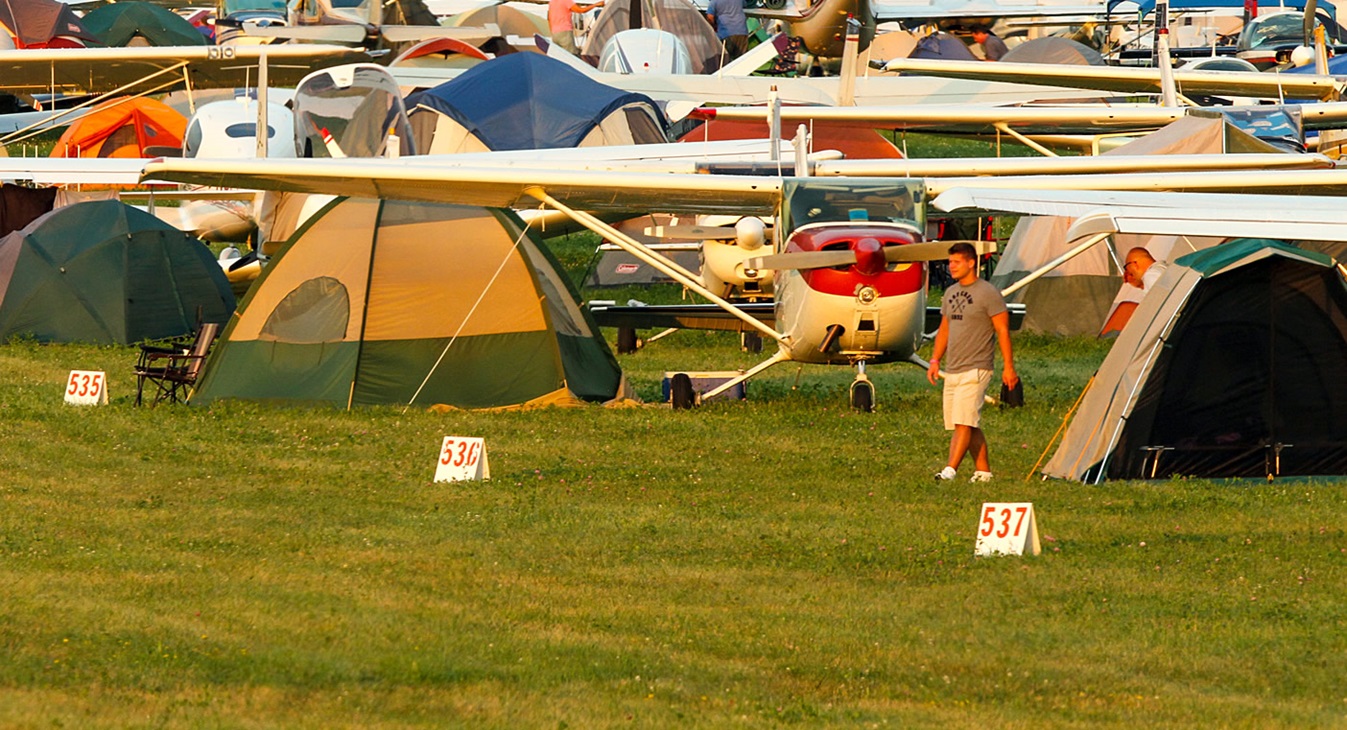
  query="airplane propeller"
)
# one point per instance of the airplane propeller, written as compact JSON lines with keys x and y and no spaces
{"x":908,"y":253}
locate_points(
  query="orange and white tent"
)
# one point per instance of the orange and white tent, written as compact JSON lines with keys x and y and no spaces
{"x":124,"y":127}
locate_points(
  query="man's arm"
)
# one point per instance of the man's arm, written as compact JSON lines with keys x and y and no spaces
{"x":938,"y":350}
{"x":1001,"y":323}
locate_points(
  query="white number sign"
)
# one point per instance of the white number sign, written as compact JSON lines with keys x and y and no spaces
{"x":1007,"y":528}
{"x":462,"y":459}
{"x":86,"y":388}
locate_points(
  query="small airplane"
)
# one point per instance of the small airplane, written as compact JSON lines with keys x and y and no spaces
{"x":848,"y":255}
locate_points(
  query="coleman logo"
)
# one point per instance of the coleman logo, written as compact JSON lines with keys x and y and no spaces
{"x":627,"y":268}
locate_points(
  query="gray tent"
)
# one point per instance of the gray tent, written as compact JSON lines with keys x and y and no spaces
{"x":1230,"y":367}
{"x":1076,"y":298}
{"x":1054,"y":50}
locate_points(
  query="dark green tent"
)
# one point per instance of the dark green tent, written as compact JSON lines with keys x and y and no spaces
{"x":140,"y":23}
{"x":1232,"y":366}
{"x":106,"y":272}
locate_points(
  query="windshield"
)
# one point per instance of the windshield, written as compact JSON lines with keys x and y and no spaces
{"x":238,"y":6}
{"x":1273,"y":30}
{"x":810,"y":200}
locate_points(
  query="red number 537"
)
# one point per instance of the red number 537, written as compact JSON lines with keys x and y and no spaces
{"x":997,"y":522}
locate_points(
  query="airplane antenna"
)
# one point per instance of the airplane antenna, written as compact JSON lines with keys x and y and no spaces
{"x":774,"y":123}
{"x":801,"y":151}
{"x":1168,"y":91}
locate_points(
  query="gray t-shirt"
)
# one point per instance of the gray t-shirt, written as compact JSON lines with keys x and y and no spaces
{"x":972,"y":339}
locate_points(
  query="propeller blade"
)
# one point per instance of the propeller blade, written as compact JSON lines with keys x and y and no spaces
{"x":472,"y":35}
{"x":932,"y":251}
{"x":325,"y":33}
{"x":691,"y":232}
{"x":797,"y":260}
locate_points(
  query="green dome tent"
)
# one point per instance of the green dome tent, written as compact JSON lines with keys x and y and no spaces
{"x":133,"y":22}
{"x":1230,"y":367}
{"x":393,"y":302}
{"x":105,"y":272}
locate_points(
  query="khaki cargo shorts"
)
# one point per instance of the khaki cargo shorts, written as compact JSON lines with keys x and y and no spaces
{"x":964,"y":395}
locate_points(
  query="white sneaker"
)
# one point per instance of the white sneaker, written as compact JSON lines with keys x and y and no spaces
{"x":946,"y":474}
{"x":981,"y":476}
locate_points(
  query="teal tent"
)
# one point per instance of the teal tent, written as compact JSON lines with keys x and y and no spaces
{"x":140,"y":23}
{"x":107,"y":273}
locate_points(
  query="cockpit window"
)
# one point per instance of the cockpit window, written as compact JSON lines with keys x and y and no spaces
{"x":817,"y":201}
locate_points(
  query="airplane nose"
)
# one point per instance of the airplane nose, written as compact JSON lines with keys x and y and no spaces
{"x":869,"y":257}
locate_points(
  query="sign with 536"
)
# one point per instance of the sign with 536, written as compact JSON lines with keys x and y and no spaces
{"x":462,"y":459}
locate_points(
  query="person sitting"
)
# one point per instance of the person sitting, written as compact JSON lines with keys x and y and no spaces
{"x":993,"y":48}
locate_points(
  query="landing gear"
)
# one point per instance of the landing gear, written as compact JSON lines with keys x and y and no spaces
{"x":626,"y":340}
{"x":751,"y":342}
{"x":680,"y":392}
{"x":862,"y":390}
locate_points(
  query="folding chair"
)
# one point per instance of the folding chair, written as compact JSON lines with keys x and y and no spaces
{"x":173,"y":370}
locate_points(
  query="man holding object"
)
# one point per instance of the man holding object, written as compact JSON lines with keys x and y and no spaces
{"x":972,"y":315}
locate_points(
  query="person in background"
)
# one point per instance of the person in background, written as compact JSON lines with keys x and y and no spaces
{"x":992,"y":46}
{"x":560,"y":24}
{"x":1140,"y":271}
{"x":973,"y":315}
{"x":731,"y":25}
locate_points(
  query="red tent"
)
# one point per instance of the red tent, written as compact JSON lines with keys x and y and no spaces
{"x":44,"y":24}
{"x":123,"y":127}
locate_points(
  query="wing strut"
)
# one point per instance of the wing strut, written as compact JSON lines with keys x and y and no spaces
{"x":1003,"y":127}
{"x":780,"y":356}
{"x":640,"y":251}
{"x":1045,"y":268}
{"x":14,"y":137}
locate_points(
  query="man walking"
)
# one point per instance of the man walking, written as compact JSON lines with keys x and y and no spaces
{"x":972,"y":315}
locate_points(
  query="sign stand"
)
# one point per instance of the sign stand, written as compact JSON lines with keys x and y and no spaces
{"x":1007,"y":528}
{"x":462,"y":459}
{"x":86,"y":388}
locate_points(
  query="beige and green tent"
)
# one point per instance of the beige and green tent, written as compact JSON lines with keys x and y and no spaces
{"x":388,"y":302}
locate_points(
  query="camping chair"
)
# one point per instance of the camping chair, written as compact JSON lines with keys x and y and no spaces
{"x":173,"y":370}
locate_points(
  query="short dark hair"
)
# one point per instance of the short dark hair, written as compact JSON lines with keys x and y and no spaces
{"x":964,"y":249}
{"x":981,"y":29}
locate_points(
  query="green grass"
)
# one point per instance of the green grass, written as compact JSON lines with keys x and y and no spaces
{"x":776,"y":562}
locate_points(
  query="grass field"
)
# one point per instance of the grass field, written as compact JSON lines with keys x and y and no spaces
{"x":777,"y":562}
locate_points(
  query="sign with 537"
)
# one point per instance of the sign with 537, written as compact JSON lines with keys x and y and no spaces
{"x":1007,"y":528}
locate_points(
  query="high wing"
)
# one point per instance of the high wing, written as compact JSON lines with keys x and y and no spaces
{"x":690,"y":91}
{"x":984,"y":119}
{"x":1302,"y":218}
{"x":885,"y":10}
{"x":618,"y":191}
{"x":143,"y":70}
{"x":427,"y":179}
{"x":1129,"y":80}
{"x":1084,"y":165}
{"x":353,"y":33}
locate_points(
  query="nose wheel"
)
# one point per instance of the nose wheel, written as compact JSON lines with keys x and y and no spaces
{"x":862,"y":391}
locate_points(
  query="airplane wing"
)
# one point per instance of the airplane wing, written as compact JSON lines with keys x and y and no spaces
{"x":410,"y":178}
{"x":680,"y":316}
{"x":985,"y":119}
{"x":693,"y":90}
{"x":1083,"y":165}
{"x":885,"y":10}
{"x":1301,"y":218}
{"x":1272,"y":182}
{"x":1127,"y":79}
{"x":1315,"y":218}
{"x":71,"y":171}
{"x":141,"y":69}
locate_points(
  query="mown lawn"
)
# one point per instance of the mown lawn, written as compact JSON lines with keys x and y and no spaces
{"x":776,"y":562}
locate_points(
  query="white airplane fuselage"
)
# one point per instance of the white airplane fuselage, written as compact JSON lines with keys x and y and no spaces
{"x":870,"y":311}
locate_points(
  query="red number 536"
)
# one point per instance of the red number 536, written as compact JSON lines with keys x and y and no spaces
{"x":997,"y":522}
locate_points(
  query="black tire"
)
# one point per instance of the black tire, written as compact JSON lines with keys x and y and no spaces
{"x":752,"y":342}
{"x":863,"y":396}
{"x":626,"y":340}
{"x":680,"y":392}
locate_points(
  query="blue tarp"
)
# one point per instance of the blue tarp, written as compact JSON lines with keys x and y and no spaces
{"x":527,"y":101}
{"x":1337,"y":66}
